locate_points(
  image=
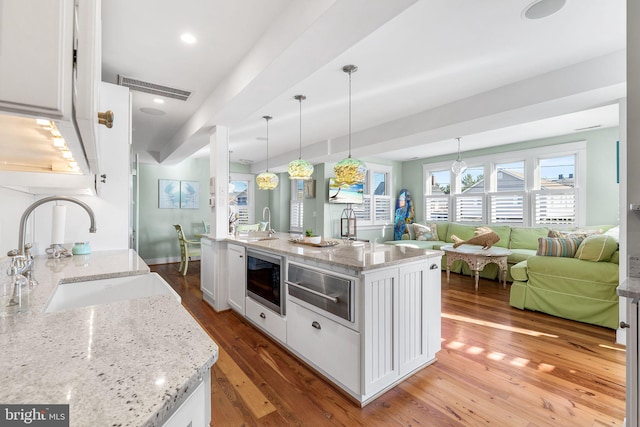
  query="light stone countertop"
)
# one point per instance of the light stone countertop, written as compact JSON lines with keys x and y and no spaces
{"x":629,"y":288}
{"x":125,"y":363}
{"x":354,"y":256}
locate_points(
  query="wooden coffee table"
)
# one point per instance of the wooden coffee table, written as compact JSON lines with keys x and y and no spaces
{"x":477,"y":258}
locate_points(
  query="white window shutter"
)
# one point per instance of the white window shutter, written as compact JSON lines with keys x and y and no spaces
{"x":469,"y":208}
{"x":507,"y":208}
{"x":436,"y":208}
{"x":555,"y":207}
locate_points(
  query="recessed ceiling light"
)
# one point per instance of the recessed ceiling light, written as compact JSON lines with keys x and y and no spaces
{"x":542,"y":8}
{"x":158,"y":101}
{"x":188,"y":38}
{"x":245,"y":161}
{"x":152,"y":111}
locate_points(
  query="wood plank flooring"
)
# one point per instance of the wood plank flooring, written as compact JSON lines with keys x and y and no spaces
{"x":498,"y":366}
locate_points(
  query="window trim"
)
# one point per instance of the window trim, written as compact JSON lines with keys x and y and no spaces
{"x":251,"y":199}
{"x":368,"y":193}
{"x":531,"y":158}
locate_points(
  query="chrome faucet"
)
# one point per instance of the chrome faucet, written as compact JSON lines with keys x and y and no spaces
{"x":22,"y":259}
{"x":267,"y":212}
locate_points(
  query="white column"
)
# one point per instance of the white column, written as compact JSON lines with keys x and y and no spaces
{"x":219,"y":182}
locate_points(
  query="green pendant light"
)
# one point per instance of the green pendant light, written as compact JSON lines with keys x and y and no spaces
{"x":267,"y":180}
{"x":350,"y":171}
{"x":300,"y":169}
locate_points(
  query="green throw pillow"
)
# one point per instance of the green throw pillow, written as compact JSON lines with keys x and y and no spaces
{"x":558,"y":246}
{"x":599,"y":247}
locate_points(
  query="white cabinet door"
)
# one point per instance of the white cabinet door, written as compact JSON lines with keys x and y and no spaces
{"x":380,"y":329}
{"x":633,"y":380}
{"x":36,"y":57}
{"x":433,"y":306}
{"x":413,"y":330}
{"x":207,"y":269}
{"x":329,"y":346}
{"x":237,"y":271}
{"x":192,"y":412}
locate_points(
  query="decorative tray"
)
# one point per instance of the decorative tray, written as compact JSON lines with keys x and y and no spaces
{"x":322,"y":244}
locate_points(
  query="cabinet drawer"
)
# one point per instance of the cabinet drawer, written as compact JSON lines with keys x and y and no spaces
{"x":328,"y":345}
{"x":266,"y":319}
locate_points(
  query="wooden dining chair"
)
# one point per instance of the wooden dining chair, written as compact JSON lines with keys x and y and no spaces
{"x":187,"y":249}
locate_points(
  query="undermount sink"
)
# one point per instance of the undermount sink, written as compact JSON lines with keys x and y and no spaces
{"x":103,"y":291}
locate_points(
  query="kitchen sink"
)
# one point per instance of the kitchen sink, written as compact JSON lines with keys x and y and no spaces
{"x":103,"y":291}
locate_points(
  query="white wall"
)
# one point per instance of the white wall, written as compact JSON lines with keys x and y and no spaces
{"x":13,"y":204}
{"x":111,"y":206}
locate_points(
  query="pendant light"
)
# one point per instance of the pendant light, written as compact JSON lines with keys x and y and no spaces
{"x":459,"y":166}
{"x":350,"y":171}
{"x":267,"y":180}
{"x":300,"y":169}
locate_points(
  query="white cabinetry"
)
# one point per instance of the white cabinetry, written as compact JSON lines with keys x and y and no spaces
{"x":207,"y":270}
{"x":266,"y":320}
{"x":237,"y":271}
{"x":36,"y":57}
{"x":633,"y":386}
{"x":191,"y":412}
{"x":331,"y":347}
{"x":50,"y":67}
{"x":401,"y":328}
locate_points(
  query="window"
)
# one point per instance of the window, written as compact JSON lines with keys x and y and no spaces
{"x":296,"y":211}
{"x":376,"y":206}
{"x":241,"y":197}
{"x":436,"y":200}
{"x":556,"y":195}
{"x":469,"y":201}
{"x":521,"y":188}
{"x":507,"y":203}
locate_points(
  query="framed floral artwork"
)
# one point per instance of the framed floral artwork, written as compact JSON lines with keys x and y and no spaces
{"x":189,"y":194}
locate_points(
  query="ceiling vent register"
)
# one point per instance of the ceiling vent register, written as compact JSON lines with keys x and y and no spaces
{"x":154,"y":89}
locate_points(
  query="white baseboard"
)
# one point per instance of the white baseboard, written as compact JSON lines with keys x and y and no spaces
{"x":167,"y":260}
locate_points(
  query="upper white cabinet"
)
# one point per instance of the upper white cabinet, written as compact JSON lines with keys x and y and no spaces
{"x":36,"y":57}
{"x":50,"y":54}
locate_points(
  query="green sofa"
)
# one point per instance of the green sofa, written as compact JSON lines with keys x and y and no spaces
{"x":571,"y":288}
{"x":521,"y":241}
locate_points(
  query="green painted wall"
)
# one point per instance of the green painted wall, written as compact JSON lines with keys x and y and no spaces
{"x":602,"y":189}
{"x":157,"y":237}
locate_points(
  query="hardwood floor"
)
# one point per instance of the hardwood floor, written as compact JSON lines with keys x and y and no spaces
{"x":498,"y":366}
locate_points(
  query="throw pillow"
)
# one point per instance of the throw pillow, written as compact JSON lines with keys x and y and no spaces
{"x":425,"y":232}
{"x":558,"y":246}
{"x":596,"y":248}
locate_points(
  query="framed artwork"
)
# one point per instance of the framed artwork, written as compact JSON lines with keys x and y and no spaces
{"x":189,"y":194}
{"x":168,"y":193}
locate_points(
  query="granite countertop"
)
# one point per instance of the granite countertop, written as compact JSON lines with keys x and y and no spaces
{"x":125,"y":363}
{"x":629,"y":288}
{"x":358,"y":256}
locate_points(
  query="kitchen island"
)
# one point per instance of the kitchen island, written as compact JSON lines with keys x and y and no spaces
{"x":364,"y":315}
{"x":125,"y":363}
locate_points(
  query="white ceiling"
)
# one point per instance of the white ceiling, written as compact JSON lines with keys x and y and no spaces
{"x":429,"y":71}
